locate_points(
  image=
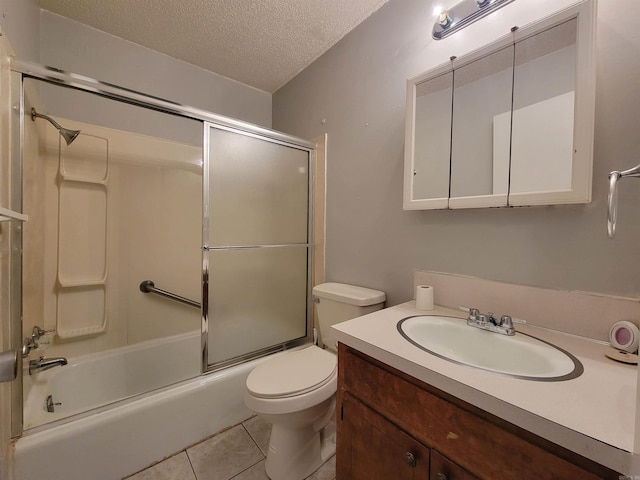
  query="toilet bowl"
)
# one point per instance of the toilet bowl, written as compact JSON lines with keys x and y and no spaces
{"x":295,"y":390}
{"x":299,"y":405}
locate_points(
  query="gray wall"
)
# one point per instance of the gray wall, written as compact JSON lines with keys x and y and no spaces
{"x":53,"y":40}
{"x":358,"y":88}
{"x":81,"y":49}
{"x":20,"y":22}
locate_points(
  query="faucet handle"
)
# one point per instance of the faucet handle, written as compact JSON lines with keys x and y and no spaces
{"x":473,"y":312}
{"x":27,"y":345}
{"x":38,"y":332}
{"x":506,"y":324}
{"x":506,"y":321}
{"x":35,"y":340}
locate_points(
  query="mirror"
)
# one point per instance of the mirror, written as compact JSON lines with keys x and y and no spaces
{"x":543,"y":108}
{"x":509,"y":124}
{"x":479,"y":150}
{"x":433,"y":145}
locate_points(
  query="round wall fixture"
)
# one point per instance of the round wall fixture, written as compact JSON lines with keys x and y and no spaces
{"x":624,"y":336}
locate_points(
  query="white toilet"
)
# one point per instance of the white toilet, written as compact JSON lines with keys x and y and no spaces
{"x":296,"y":391}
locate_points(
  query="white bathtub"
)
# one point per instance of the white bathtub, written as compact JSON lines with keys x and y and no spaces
{"x":115,"y":441}
{"x":91,"y":381}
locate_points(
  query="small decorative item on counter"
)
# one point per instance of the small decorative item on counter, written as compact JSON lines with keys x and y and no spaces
{"x":624,"y":337}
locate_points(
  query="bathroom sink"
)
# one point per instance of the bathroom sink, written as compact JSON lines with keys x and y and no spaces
{"x":520,"y":355}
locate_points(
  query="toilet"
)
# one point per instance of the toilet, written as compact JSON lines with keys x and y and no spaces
{"x":296,"y":391}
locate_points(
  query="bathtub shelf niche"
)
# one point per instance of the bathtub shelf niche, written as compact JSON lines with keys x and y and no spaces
{"x":83,"y":309}
{"x":83,"y":173}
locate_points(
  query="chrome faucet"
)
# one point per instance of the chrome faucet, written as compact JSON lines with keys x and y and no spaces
{"x":31,"y":343}
{"x":42,"y":364}
{"x":488,"y":322}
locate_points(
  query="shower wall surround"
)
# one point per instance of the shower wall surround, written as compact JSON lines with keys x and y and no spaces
{"x":152,"y":203}
{"x":358,"y":89}
{"x":83,"y":199}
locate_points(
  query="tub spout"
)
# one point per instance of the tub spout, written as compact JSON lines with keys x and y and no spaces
{"x":43,"y":364}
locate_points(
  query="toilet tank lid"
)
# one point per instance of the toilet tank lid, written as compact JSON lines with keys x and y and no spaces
{"x":349,"y":294}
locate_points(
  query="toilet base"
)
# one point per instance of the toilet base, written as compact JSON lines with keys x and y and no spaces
{"x":294,"y":454}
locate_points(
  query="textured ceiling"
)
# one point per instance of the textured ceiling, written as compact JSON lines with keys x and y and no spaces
{"x":262,"y":43}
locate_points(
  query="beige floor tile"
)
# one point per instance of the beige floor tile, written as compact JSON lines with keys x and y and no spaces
{"x":260,"y":431}
{"x":225,"y":455}
{"x":173,"y":468}
{"x":253,"y":473}
{"x":326,"y":471}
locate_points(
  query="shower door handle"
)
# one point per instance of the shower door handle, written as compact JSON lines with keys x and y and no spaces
{"x":8,"y":366}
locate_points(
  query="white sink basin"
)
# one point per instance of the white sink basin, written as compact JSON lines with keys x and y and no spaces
{"x":520,"y":355}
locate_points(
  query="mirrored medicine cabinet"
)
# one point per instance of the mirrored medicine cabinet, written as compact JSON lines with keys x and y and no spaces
{"x":510,"y":124}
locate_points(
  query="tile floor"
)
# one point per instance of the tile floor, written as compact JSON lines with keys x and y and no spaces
{"x":237,"y":453}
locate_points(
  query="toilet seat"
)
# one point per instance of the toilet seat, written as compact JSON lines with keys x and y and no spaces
{"x":292,"y":374}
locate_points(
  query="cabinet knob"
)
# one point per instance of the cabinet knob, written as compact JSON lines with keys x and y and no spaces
{"x":410,"y":458}
{"x":441,"y":476}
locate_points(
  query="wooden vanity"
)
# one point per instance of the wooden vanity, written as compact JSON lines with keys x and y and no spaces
{"x":393,"y":426}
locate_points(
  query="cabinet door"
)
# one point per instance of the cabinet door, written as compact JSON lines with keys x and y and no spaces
{"x":372,"y":448}
{"x":481,"y":131}
{"x":444,"y":469}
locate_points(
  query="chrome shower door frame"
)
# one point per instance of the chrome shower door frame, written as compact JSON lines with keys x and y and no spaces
{"x":206,"y":247}
{"x":23,"y":70}
{"x":15,"y":245}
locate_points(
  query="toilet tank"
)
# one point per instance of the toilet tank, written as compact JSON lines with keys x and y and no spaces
{"x":338,"y":302}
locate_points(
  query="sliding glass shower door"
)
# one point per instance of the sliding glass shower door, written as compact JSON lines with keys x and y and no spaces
{"x":256,"y":245}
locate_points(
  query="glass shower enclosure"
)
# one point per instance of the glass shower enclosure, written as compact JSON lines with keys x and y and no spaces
{"x":256,"y":244}
{"x":256,"y":247}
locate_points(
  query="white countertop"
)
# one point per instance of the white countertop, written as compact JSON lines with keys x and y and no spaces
{"x":592,"y":415}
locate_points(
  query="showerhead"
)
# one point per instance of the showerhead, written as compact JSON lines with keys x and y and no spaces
{"x":68,"y":135}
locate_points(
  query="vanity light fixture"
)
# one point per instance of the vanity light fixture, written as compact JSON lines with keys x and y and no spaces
{"x":462,"y":14}
{"x":444,"y":20}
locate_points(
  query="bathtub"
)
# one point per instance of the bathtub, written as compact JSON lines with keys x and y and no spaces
{"x":113,"y":441}
{"x":91,"y":381}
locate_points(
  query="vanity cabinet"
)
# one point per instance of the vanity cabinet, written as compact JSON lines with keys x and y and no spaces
{"x":444,"y":469}
{"x":393,"y":426}
{"x":367,"y":434}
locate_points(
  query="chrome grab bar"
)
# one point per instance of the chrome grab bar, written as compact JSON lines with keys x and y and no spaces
{"x":612,"y":198}
{"x":148,"y":286}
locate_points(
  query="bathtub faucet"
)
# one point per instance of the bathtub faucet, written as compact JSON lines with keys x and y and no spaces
{"x":43,"y":364}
